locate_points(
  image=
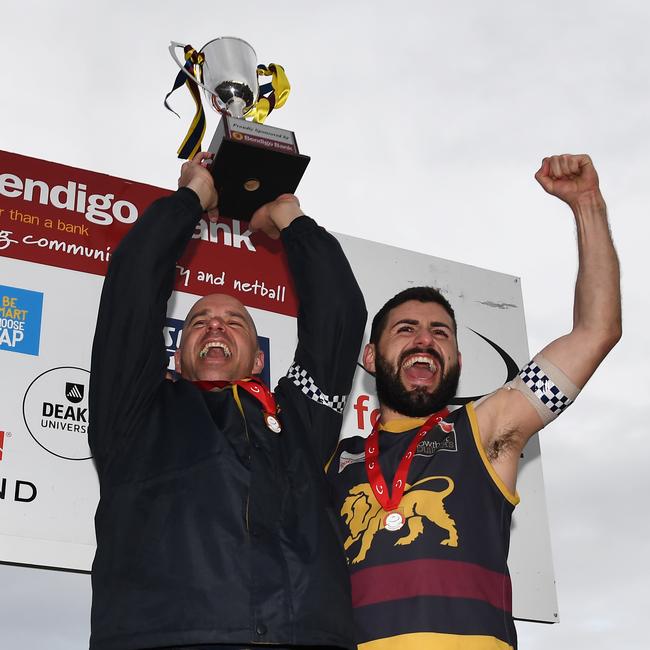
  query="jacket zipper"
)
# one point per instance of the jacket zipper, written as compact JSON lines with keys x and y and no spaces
{"x":241,"y":411}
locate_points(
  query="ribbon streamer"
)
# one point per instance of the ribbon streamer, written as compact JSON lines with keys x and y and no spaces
{"x":272,"y":95}
{"x":192,"y":142}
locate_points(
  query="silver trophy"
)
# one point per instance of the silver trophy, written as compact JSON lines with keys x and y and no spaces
{"x":254,"y":163}
{"x":229,"y":74}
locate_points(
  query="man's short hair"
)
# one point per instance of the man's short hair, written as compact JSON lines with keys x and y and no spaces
{"x":422,"y":294}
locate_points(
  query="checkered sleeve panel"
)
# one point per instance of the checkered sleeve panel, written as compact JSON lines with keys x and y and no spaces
{"x":544,"y":388}
{"x":307,"y":385}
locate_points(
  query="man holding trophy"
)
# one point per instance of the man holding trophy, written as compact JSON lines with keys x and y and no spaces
{"x":214,"y":527}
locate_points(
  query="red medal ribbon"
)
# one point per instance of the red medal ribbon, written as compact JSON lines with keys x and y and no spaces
{"x":252,"y":385}
{"x":373,"y":469}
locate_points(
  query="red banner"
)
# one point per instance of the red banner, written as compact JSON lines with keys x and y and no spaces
{"x":74,"y":219}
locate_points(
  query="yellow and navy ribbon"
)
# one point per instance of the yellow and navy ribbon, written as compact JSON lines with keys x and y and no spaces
{"x":192,"y":142}
{"x":272,"y":95}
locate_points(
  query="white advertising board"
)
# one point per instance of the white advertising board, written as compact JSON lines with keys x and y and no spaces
{"x":56,"y":234}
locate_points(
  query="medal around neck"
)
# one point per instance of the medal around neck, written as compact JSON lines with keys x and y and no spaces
{"x":272,"y":423}
{"x":254,"y":163}
{"x":393,"y":520}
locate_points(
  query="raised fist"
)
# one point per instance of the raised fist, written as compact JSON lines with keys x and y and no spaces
{"x":569,"y":177}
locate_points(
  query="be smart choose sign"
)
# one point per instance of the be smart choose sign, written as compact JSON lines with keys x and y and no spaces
{"x":20,"y":320}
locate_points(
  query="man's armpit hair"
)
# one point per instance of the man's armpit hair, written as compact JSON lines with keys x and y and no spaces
{"x":546,"y":387}
{"x":501,"y":445}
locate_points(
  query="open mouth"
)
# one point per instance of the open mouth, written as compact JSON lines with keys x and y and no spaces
{"x":420,"y":368}
{"x":215,"y":350}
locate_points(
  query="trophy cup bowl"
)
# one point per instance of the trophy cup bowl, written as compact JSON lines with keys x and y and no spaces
{"x":230,"y":75}
{"x":253,"y":163}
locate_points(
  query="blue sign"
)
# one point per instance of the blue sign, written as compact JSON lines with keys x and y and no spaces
{"x":20,"y":320}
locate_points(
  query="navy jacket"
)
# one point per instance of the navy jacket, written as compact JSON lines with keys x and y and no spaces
{"x":211,"y":528}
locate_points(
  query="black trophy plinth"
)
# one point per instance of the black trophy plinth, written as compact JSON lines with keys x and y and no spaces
{"x":253,"y":164}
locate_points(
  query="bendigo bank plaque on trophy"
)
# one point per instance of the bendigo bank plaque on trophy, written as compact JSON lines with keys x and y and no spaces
{"x":254,"y":163}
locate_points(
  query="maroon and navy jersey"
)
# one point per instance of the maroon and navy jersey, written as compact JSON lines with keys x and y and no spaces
{"x":441,"y":580}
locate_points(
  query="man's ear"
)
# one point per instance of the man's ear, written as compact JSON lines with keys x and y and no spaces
{"x":460,"y":360}
{"x":369,"y":358}
{"x":177,"y":360}
{"x":258,"y":364}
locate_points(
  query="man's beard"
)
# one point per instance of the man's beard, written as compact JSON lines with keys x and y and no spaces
{"x":418,"y":401}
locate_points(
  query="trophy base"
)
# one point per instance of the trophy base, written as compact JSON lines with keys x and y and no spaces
{"x":253,"y":164}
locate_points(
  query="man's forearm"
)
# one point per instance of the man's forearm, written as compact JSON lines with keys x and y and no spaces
{"x":597,"y":302}
{"x":332,"y":311}
{"x":597,"y":299}
{"x":162,"y":232}
{"x":128,"y":352}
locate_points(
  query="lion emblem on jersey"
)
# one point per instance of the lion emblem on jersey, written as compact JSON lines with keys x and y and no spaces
{"x":363,"y":514}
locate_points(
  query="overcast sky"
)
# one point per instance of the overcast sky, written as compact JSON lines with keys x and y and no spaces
{"x":425,"y":122}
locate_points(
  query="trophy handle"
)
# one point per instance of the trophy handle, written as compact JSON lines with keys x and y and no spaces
{"x":172,"y":50}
